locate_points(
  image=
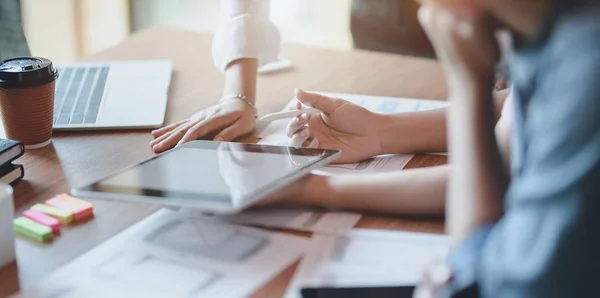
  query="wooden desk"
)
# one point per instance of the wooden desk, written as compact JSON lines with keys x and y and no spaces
{"x":78,"y":158}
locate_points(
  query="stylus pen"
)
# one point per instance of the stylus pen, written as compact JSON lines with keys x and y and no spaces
{"x":288,"y":114}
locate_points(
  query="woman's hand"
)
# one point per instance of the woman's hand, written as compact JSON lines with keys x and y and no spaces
{"x":229,"y":119}
{"x":463,"y":35}
{"x":341,"y":125}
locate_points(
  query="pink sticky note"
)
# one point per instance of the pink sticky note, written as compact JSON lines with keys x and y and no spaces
{"x":44,"y":219}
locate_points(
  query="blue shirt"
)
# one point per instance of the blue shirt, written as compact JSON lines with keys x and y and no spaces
{"x":548,"y":242}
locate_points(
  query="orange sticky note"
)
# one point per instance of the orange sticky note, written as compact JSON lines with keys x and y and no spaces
{"x":73,"y":200}
{"x":80,"y":208}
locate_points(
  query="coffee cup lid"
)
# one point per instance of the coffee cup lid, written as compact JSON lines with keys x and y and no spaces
{"x":22,"y":72}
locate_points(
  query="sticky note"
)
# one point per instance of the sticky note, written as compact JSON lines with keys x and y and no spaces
{"x":64,"y":216}
{"x":74,"y":200}
{"x":80,"y":209}
{"x":44,"y":219}
{"x":31,"y":229}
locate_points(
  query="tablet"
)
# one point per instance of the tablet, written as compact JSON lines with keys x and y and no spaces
{"x":216,"y":177}
{"x":368,"y":292}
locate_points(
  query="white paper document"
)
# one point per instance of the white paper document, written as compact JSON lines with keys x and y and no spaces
{"x":170,"y":254}
{"x":275,"y":132}
{"x":377,"y":164}
{"x":362,"y":258}
{"x":292,"y":218}
{"x":390,"y":105}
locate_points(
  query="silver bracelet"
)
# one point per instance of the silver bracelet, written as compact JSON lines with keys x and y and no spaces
{"x":242,"y":98}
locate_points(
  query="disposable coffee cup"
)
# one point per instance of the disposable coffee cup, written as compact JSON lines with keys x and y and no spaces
{"x":27,"y":100}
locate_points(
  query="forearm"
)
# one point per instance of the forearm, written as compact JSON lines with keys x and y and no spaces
{"x":477,"y":182}
{"x":240,"y":77}
{"x":413,"y":132}
{"x":409,"y":192}
{"x":420,"y":131}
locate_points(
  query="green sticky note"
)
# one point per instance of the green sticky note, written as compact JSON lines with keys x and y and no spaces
{"x":64,"y":216}
{"x":31,"y":229}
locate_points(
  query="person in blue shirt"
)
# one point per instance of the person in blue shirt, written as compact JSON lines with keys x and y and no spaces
{"x":531,"y":229}
{"x":537,"y":236}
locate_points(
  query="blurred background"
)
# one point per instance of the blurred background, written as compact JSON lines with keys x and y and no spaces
{"x":88,"y":26}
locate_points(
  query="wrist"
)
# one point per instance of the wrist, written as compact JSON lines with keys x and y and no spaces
{"x":472,"y":102}
{"x":316,"y":191}
{"x":241,"y":77}
{"x":388,"y":128}
{"x":236,"y":96}
{"x":476,"y":88}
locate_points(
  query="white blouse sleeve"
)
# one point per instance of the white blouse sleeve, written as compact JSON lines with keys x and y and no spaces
{"x":245,"y":31}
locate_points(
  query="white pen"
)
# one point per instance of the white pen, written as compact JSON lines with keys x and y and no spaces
{"x":288,"y":114}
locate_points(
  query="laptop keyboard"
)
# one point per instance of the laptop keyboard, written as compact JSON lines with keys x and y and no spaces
{"x":79,"y":92}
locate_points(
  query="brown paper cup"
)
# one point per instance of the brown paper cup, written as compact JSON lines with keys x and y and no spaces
{"x":28,"y":114}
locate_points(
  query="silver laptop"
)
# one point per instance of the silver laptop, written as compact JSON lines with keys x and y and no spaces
{"x":112,"y":95}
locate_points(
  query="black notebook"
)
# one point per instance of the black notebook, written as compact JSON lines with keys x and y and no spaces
{"x":11,"y":173}
{"x":10,"y":150}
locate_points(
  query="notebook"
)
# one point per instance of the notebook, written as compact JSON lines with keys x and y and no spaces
{"x":10,"y":150}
